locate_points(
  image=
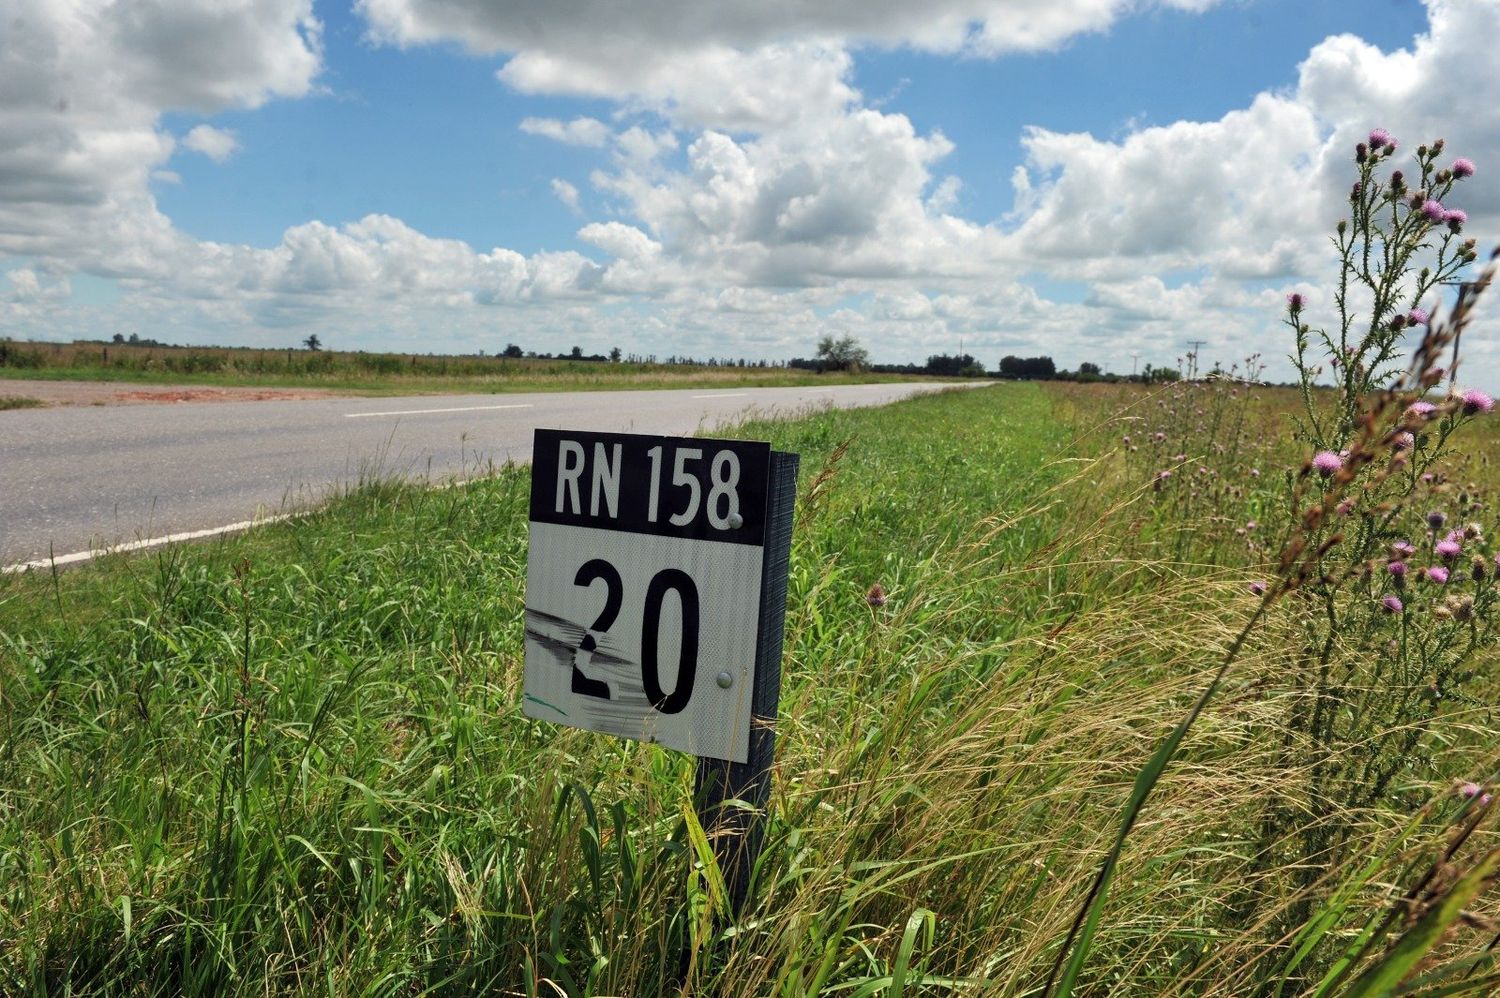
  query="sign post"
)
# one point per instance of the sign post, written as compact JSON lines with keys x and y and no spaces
{"x":655,"y":599}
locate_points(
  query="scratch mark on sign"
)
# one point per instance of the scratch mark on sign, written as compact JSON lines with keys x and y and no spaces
{"x":544,"y":703}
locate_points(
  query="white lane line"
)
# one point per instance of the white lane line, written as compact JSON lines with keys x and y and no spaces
{"x":723,"y":395}
{"x":150,"y":542}
{"x":423,"y":412}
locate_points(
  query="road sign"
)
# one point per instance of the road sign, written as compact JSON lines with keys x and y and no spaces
{"x":644,"y":587}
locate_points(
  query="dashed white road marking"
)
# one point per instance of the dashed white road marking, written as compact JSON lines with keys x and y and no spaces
{"x":423,"y":412}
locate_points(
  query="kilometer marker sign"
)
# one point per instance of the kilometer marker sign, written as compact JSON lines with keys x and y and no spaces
{"x":645,"y":588}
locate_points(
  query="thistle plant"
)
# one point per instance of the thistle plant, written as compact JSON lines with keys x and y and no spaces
{"x":1386,"y":643}
{"x":1401,"y":241}
{"x":1369,"y":696}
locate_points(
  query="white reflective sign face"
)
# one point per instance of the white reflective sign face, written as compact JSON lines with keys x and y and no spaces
{"x":643,"y":587}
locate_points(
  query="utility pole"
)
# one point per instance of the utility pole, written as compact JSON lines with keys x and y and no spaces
{"x":1193,"y":358}
{"x":1135,"y":360}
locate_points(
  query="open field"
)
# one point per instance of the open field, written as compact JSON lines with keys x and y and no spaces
{"x":376,"y":373}
{"x":293,"y":761}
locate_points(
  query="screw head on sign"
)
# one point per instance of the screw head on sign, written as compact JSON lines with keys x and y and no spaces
{"x":736,"y":521}
{"x":725,"y":680}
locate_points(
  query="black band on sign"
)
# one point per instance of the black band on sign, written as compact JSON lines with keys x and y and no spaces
{"x":689,"y":487}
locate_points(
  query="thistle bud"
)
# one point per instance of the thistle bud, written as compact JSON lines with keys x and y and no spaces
{"x":1361,"y":153}
{"x":1343,"y":225}
{"x":1437,"y":147}
{"x":1479,"y":569}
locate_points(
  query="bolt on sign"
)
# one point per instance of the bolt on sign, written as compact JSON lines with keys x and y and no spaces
{"x":644,"y":587}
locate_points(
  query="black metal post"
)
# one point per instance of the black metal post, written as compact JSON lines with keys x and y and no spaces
{"x":735,"y":831}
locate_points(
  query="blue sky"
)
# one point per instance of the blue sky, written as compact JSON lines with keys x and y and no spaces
{"x":414,"y":175}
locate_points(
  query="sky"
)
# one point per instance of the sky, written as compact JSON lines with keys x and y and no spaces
{"x":1099,"y":181}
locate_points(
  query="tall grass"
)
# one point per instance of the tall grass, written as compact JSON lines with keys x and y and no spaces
{"x":293,"y":761}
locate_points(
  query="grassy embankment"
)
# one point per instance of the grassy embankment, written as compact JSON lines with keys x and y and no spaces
{"x":380,"y":374}
{"x":294,"y":760}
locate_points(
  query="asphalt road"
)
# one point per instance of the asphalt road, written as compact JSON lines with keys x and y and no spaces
{"x":87,"y":477}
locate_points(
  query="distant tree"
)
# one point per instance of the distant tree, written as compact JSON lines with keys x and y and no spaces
{"x":118,"y":338}
{"x":946,"y":366}
{"x":313,"y":343}
{"x":1086,"y":369}
{"x":135,"y":339}
{"x":614,"y":355}
{"x":577,"y":353}
{"x":1033,"y":368}
{"x":511,"y":350}
{"x":842,"y":354}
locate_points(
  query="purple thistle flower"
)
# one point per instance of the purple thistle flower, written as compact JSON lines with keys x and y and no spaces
{"x":1433,"y":209}
{"x":1403,"y":549}
{"x":1472,"y":790}
{"x":1417,"y":317}
{"x":1403,"y":441}
{"x":876,"y":597}
{"x":1458,"y":215}
{"x":1295,"y":301}
{"x":1476,"y":401}
{"x":1392,"y":604}
{"x":1326,"y":462}
{"x":1438,"y":574}
{"x":1420,"y":410}
{"x":1448,"y":550}
{"x":1463,"y":168}
{"x":1436,"y":519}
{"x":1380,"y":137}
{"x":1258,"y":588}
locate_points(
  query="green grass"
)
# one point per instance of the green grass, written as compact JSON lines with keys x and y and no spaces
{"x":293,"y":761}
{"x":19,"y":402}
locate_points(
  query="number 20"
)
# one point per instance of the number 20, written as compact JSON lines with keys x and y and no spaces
{"x":656,"y":592}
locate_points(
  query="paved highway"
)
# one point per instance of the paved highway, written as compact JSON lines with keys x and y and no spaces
{"x":82,"y":478}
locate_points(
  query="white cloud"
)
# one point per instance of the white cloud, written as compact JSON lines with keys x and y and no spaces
{"x":716,"y":86}
{"x":218,"y":144}
{"x":577,"y":32}
{"x":566,"y":193}
{"x":750,"y":198}
{"x":578,"y":132}
{"x":85,"y":85}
